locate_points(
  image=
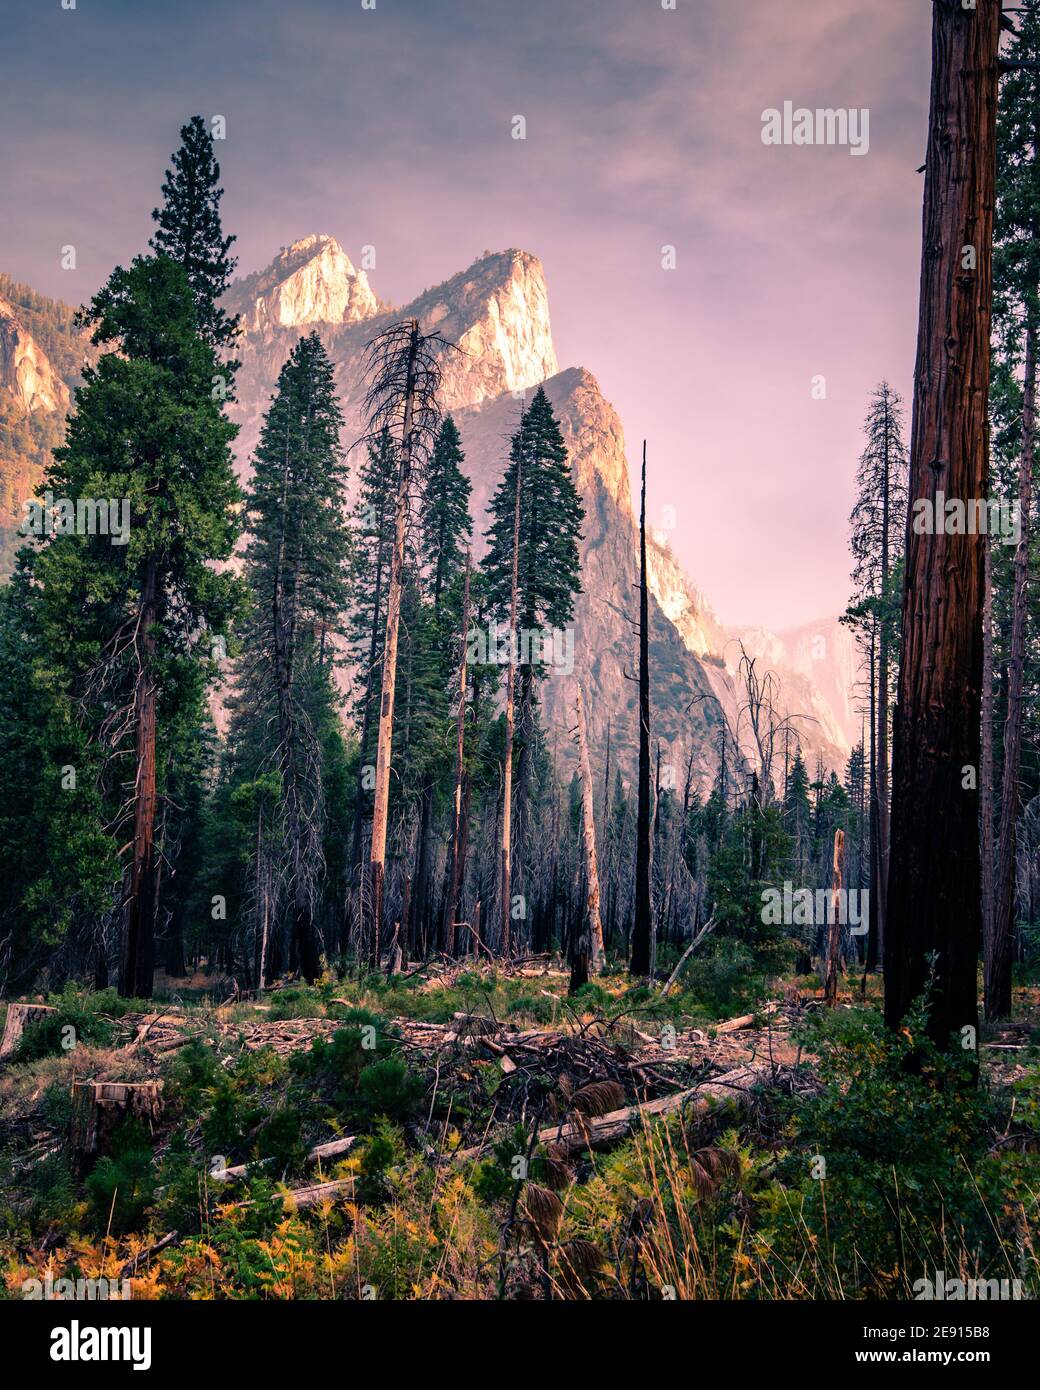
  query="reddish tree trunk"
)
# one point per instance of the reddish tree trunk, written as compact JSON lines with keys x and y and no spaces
{"x":933,"y":909}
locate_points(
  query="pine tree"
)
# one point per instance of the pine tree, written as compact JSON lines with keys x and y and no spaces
{"x":296,"y":568}
{"x":548,"y":564}
{"x":129,"y":625}
{"x":191,"y":234}
{"x":446,"y":522}
{"x":878,"y":526}
{"x":1016,"y":274}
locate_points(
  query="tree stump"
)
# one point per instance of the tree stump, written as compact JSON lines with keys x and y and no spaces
{"x":98,"y":1106}
{"x":18,"y":1015}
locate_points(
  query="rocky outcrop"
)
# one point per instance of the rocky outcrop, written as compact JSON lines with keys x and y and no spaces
{"x":26,"y":373}
{"x":311,"y":282}
{"x":497,"y":315}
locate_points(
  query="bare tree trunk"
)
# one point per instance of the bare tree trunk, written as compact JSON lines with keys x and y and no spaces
{"x":998,"y":960}
{"x":986,"y":764}
{"x":874,"y":953}
{"x":642,"y":927}
{"x":830,"y":992}
{"x":381,"y":797}
{"x":883,"y":808}
{"x":366,"y":725}
{"x":139,"y":919}
{"x":507,"y":760}
{"x":457,"y":856}
{"x":595,"y":926}
{"x":933,"y":910}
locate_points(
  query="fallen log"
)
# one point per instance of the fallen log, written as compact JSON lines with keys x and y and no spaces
{"x":18,"y":1016}
{"x":608,"y":1129}
{"x":132,"y":1266}
{"x":333,"y":1149}
{"x":734,"y":1025}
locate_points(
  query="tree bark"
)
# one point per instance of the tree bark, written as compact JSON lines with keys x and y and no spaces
{"x":933,"y":908}
{"x":595,"y":925}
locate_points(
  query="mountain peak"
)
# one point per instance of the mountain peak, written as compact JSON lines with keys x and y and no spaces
{"x":497,"y":313}
{"x":311,"y":281}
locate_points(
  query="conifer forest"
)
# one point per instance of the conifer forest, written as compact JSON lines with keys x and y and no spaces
{"x":414,"y":885}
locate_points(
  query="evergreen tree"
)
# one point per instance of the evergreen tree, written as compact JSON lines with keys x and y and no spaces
{"x":1016,"y":278}
{"x":190,"y":231}
{"x":446,"y":522}
{"x":878,"y":525}
{"x":548,"y":563}
{"x":296,"y":569}
{"x":129,"y":626}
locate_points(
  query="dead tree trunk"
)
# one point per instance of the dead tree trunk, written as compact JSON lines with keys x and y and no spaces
{"x":642,"y":928}
{"x":998,"y":956}
{"x":457,"y":855}
{"x":381,"y":798}
{"x":595,"y":925}
{"x":507,"y":757}
{"x":986,"y":789}
{"x":933,"y":908}
{"x":19,"y":1016}
{"x":830,"y":992}
{"x":138,"y":955}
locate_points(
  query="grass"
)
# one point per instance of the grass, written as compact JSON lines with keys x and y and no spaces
{"x":920,"y":1172}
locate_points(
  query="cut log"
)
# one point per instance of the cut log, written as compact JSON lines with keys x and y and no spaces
{"x":18,"y":1015}
{"x":735,"y":1025}
{"x":300,"y":1198}
{"x":608,"y":1129}
{"x":98,"y":1106}
{"x":333,"y":1149}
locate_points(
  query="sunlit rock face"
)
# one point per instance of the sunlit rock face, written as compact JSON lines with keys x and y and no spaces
{"x":496,"y":313}
{"x":311,"y":282}
{"x":25,"y":370}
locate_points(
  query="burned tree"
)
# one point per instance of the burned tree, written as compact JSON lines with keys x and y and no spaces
{"x":403,"y":375}
{"x":933,"y":909}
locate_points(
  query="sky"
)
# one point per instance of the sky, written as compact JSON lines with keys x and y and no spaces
{"x":392,"y":127}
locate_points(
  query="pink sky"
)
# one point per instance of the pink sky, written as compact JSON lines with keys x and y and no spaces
{"x":644,"y":129}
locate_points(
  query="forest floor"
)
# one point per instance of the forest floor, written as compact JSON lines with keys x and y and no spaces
{"x":475,"y":1133}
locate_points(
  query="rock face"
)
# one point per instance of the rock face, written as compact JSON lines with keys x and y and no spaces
{"x":497,"y":313}
{"x":311,"y":282}
{"x":26,"y":373}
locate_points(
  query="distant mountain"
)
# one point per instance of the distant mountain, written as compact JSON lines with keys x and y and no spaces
{"x":497,"y":313}
{"x":41,"y":358}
